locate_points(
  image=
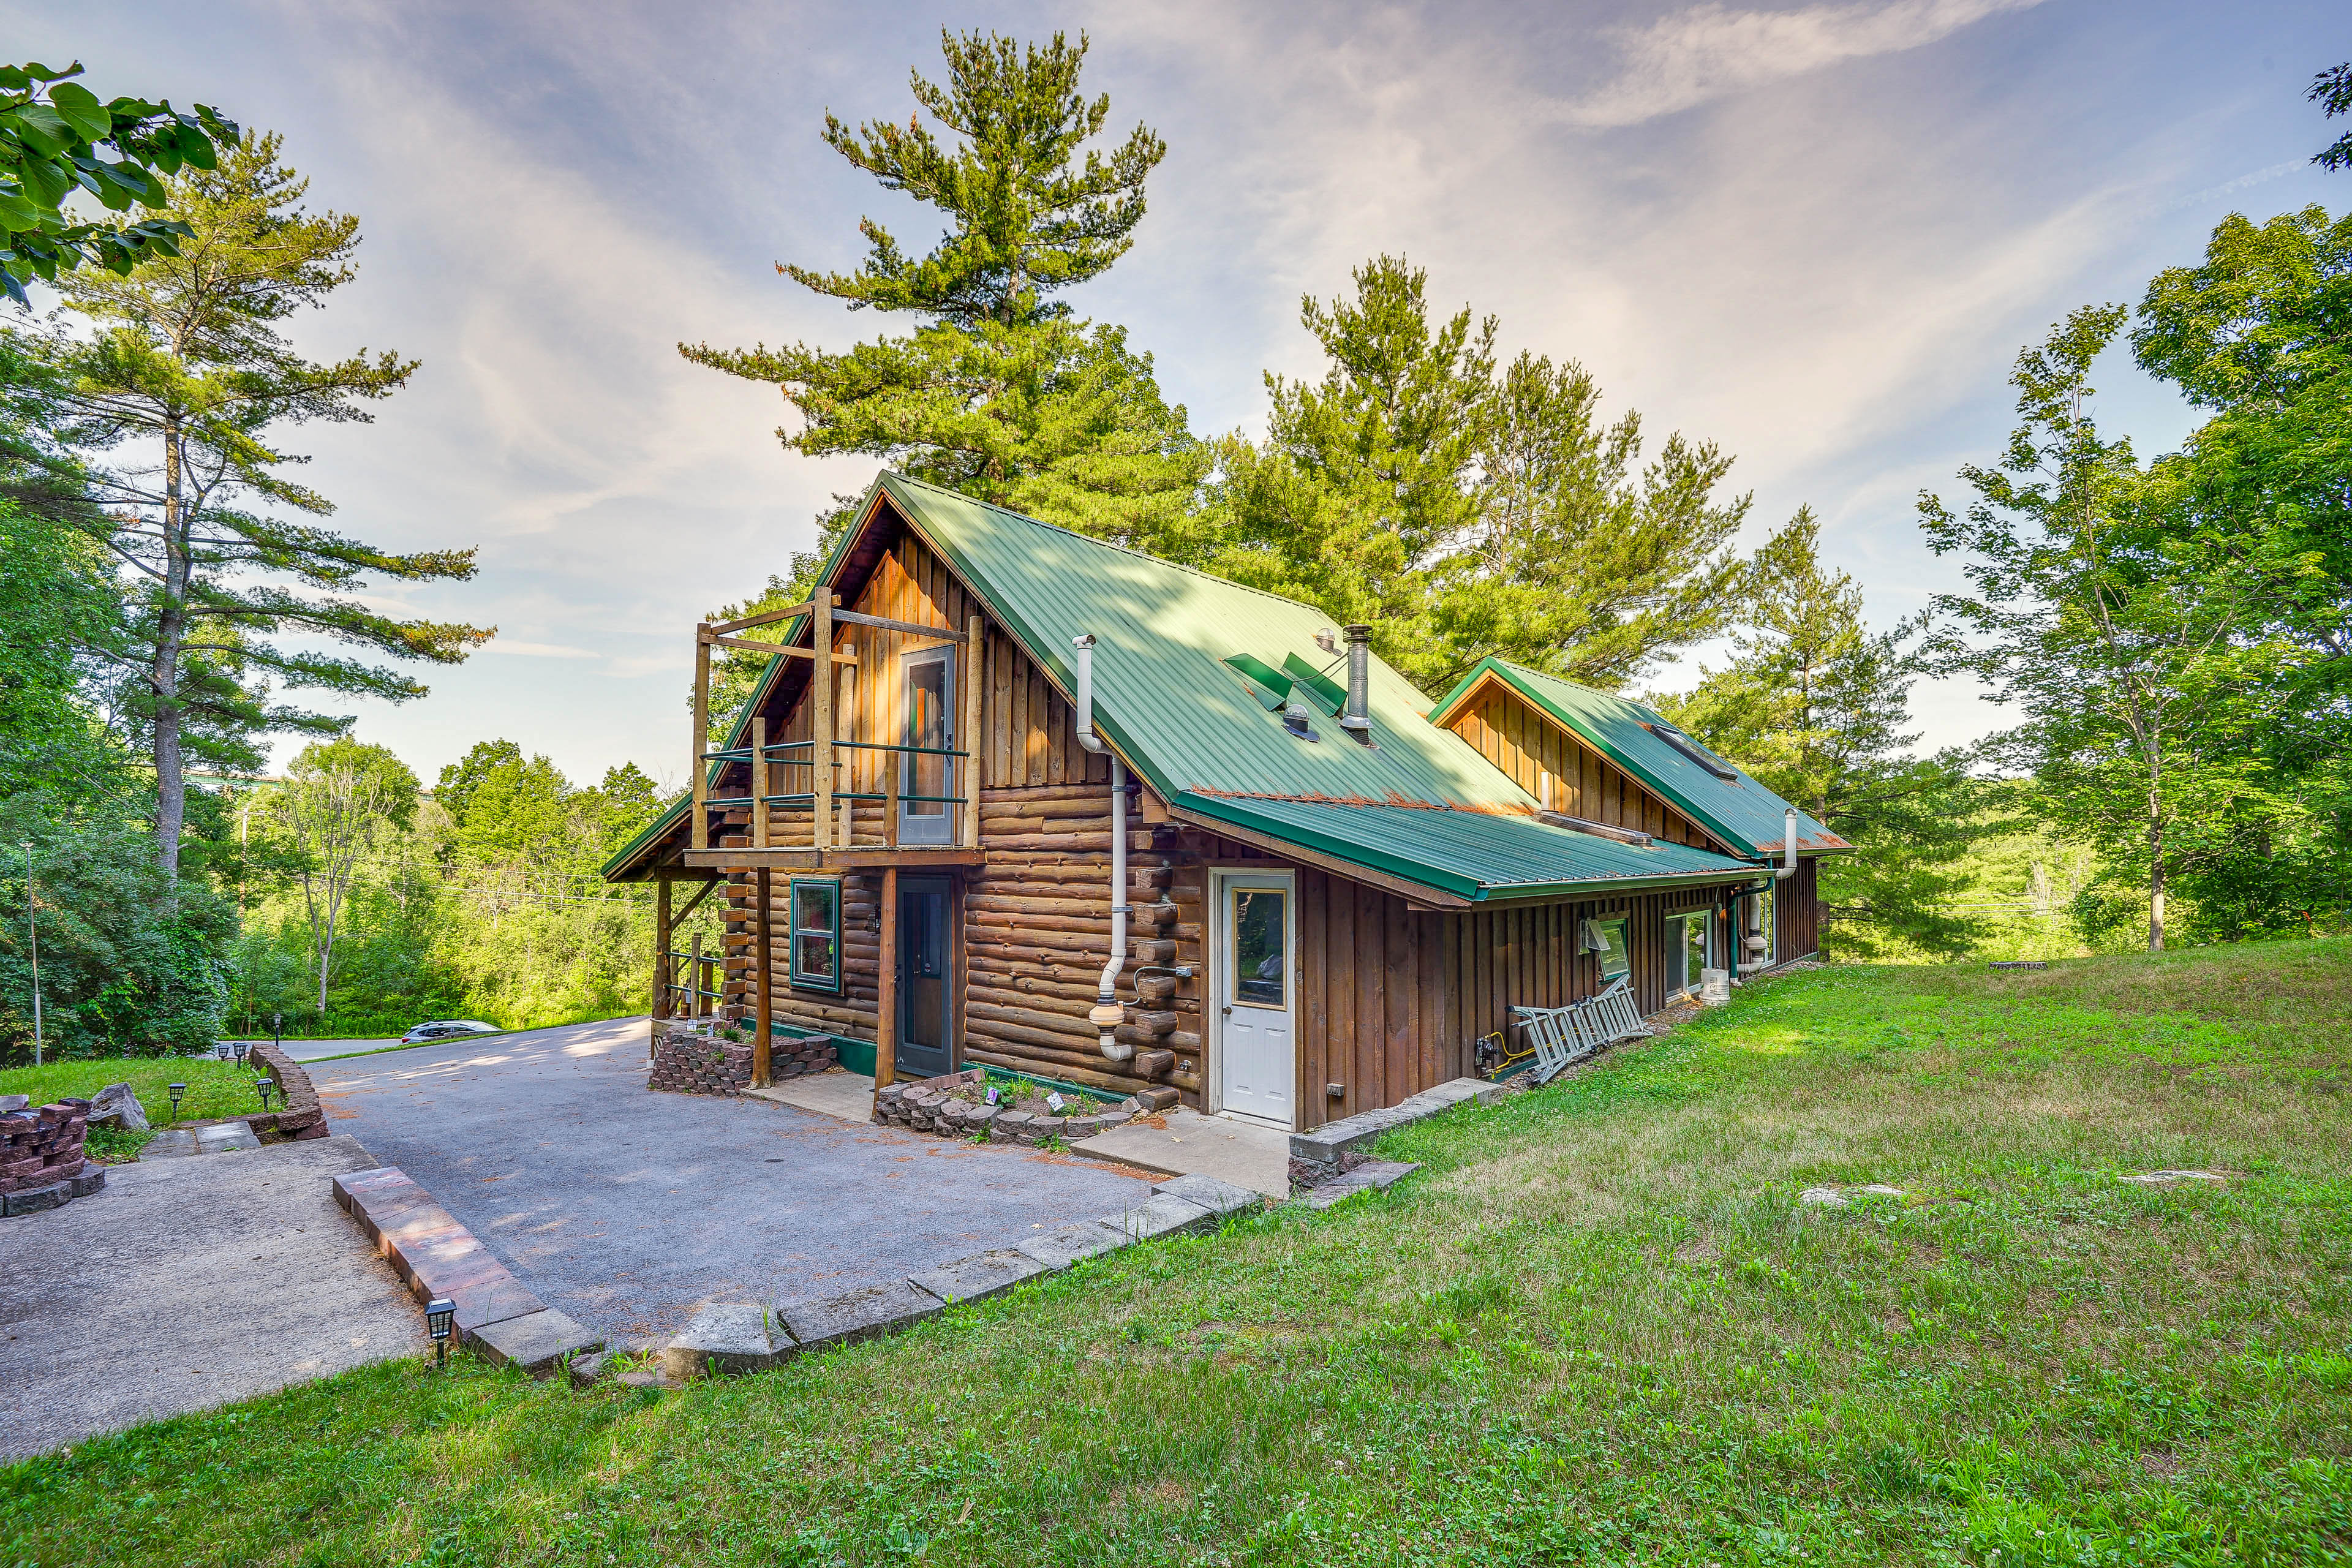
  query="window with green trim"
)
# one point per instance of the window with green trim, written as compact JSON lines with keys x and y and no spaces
{"x":816,"y":935}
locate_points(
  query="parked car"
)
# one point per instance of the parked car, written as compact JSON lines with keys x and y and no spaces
{"x":446,"y":1029}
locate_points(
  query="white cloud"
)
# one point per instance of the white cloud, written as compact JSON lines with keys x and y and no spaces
{"x":1710,"y":51}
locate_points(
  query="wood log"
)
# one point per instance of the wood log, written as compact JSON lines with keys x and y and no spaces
{"x":996,"y":796}
{"x":1154,"y":1064}
{"x":1023,"y":1035}
{"x":1053,"y":1013}
{"x":1003,"y":920}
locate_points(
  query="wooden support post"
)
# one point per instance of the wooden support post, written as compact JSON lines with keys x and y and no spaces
{"x":701,"y":833}
{"x":886,"y":1004}
{"x":764,"y":963}
{"x":760,"y":791}
{"x":694,"y":979}
{"x":967,"y":770}
{"x":661,"y":963}
{"x":894,"y":768}
{"x":821,"y":829}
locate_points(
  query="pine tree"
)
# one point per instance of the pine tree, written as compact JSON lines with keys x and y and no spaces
{"x":189,"y":363}
{"x":1461,"y":512}
{"x":1587,"y":562}
{"x":1001,"y":393}
{"x":1815,"y":706}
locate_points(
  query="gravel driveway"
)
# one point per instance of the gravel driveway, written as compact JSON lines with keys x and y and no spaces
{"x":628,"y":1208}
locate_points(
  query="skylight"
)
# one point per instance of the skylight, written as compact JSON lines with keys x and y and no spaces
{"x":1692,"y":749}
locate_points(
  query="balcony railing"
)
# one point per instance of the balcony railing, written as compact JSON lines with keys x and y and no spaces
{"x":828,"y":826}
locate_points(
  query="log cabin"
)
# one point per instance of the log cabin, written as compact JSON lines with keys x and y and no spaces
{"x":1007,"y":795}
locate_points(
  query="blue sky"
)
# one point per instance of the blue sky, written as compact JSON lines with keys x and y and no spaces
{"x":1815,"y":234}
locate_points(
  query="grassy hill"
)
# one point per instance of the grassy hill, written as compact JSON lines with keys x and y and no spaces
{"x":1600,"y":1326}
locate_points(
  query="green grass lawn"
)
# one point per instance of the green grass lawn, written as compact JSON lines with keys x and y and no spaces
{"x":1597,"y":1327}
{"x":216,"y":1089}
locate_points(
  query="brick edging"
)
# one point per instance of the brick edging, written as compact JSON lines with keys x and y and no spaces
{"x":301,"y":1117}
{"x":437,"y":1257}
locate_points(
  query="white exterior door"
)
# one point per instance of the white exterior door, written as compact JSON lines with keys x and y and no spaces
{"x":1256,"y":996}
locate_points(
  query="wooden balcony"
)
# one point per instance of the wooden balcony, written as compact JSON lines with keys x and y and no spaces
{"x":798,"y":797}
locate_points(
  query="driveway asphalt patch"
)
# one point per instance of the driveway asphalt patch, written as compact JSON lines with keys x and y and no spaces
{"x":630,"y":1210}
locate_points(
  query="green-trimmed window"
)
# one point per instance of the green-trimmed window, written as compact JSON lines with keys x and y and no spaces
{"x":1616,"y":951}
{"x":817,"y":933}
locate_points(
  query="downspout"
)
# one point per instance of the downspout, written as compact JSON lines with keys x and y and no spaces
{"x":1752,"y":940}
{"x":1107,"y":1014}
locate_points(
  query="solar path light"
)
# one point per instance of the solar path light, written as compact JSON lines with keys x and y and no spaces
{"x":176,"y":1090}
{"x":440,"y":1313}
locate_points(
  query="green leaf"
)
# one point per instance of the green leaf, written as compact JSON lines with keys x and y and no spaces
{"x":17,"y":213}
{"x":41,"y":128}
{"x":82,"y":111}
{"x":43,"y":182}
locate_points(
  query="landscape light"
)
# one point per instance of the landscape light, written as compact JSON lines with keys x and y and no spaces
{"x":220,"y":1050}
{"x":440,"y":1313}
{"x":177,"y":1090}
{"x":240,"y":1049}
{"x":262,"y":1085}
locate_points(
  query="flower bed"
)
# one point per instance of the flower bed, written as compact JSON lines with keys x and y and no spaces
{"x":976,"y":1103}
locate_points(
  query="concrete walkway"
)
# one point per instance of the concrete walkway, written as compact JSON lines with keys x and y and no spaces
{"x":186,"y":1284}
{"x":1242,"y":1153}
{"x":629,"y":1209}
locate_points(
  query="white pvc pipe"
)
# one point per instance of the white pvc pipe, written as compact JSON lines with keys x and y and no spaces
{"x":1781,"y":873}
{"x":1107,"y":1014}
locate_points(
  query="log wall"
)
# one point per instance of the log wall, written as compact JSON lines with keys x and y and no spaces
{"x":1391,"y":1000}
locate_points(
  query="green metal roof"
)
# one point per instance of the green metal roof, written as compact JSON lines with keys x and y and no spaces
{"x":1738,"y":811}
{"x":1473,"y":855}
{"x":1167,"y":696}
{"x":1183,"y":667}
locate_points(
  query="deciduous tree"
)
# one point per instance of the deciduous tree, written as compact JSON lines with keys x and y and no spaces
{"x":339,"y":801}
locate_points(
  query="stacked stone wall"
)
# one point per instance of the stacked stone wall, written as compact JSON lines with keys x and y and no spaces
{"x":42,"y":1163}
{"x":686,"y":1063}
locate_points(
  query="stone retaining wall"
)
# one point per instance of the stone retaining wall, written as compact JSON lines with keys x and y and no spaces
{"x":42,"y":1164}
{"x":687,"y":1061}
{"x":299,"y":1116}
{"x":935,"y":1105}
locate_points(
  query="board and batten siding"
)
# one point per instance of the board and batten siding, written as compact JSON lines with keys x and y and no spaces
{"x":1559,"y":769}
{"x":1392,"y":1000}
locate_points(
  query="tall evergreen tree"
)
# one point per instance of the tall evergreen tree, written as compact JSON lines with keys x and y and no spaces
{"x":1816,"y":706}
{"x":189,"y":363}
{"x":1367,"y":481}
{"x":1586,"y":562}
{"x":1462,"y":511}
{"x":1000,"y":391}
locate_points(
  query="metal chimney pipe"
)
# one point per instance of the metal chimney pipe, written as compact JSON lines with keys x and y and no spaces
{"x":1357,"y":718}
{"x":1788,"y":868}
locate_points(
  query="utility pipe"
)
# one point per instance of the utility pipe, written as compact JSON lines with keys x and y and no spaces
{"x":1107,"y":1014}
{"x":1357,"y":717}
{"x":1782,"y":872}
